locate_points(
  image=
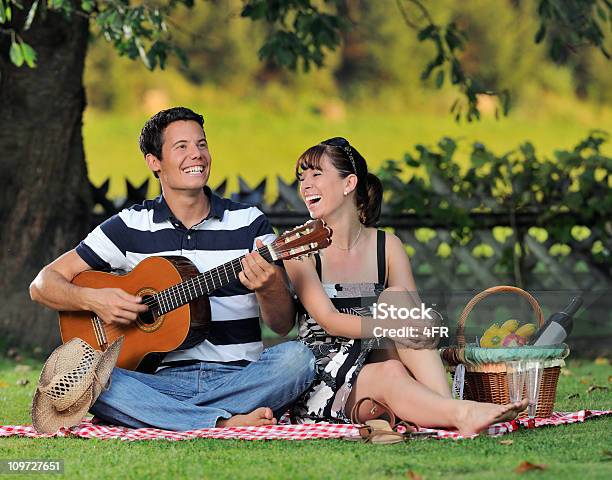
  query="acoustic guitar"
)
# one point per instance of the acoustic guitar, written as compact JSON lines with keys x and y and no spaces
{"x":177,"y":296}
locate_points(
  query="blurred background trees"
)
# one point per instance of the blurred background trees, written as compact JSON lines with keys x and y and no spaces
{"x":378,"y":54}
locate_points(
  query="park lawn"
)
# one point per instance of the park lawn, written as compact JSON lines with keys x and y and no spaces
{"x":571,"y":451}
{"x":249,"y":139}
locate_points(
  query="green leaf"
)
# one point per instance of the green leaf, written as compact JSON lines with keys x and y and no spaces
{"x":5,"y":12}
{"x":440,"y":79}
{"x":16,"y":54}
{"x":505,"y":99}
{"x":540,"y":34}
{"x":601,"y":14}
{"x":439,"y":60}
{"x":143,"y":54}
{"x":411,"y":162}
{"x":29,"y":55}
{"x":180,"y":53}
{"x":457,"y":75}
{"x":31,"y":15}
{"x":427,"y":32}
{"x":556,"y":50}
{"x":454,"y":105}
{"x":88,"y":5}
{"x":285,"y":57}
{"x":59,"y":4}
{"x":453,"y":37}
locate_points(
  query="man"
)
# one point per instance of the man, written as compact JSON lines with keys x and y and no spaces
{"x":226,"y":380}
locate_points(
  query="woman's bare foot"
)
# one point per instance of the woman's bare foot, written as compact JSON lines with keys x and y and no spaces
{"x":257,"y":418}
{"x":474,"y":417}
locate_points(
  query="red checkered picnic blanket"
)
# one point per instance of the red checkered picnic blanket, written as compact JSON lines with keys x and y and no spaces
{"x":87,"y":429}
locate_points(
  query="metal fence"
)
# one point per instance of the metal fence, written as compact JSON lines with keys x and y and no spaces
{"x":472,"y":264}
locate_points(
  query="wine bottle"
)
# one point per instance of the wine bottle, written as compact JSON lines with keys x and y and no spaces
{"x":558,"y":326}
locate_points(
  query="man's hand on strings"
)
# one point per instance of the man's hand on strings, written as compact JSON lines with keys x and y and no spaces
{"x":257,"y":274}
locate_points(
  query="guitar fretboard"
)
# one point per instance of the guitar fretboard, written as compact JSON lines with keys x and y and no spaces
{"x":203,"y":284}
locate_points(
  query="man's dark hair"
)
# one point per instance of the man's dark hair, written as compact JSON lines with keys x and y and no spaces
{"x":151,"y":136}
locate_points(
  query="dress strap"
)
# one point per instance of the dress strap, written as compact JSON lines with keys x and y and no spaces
{"x":380,"y":258}
{"x":318,"y":265}
{"x":380,"y":254}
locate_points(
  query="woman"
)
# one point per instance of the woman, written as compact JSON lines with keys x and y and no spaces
{"x":358,"y":265}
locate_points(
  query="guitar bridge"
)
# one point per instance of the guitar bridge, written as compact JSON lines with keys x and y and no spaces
{"x":98,"y":327}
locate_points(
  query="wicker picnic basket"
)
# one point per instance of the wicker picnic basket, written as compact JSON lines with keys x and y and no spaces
{"x":485,"y":369}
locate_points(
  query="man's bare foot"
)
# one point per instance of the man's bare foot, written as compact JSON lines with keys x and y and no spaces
{"x":257,"y":418}
{"x":474,"y":417}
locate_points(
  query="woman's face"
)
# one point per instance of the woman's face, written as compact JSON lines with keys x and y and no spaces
{"x":322,"y":189}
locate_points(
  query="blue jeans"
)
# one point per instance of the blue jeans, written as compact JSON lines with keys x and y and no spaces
{"x":196,"y":396}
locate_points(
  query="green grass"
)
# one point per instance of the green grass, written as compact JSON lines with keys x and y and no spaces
{"x":571,"y":451}
{"x":257,"y":140}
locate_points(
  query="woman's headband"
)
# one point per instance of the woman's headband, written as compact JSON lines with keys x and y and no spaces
{"x":349,"y":153}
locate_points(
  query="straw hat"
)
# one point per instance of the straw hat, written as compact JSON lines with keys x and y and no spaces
{"x":71,"y":380}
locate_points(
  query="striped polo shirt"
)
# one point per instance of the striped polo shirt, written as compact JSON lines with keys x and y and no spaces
{"x":228,"y":232}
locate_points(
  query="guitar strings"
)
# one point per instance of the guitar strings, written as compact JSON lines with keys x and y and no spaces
{"x":183,"y":288}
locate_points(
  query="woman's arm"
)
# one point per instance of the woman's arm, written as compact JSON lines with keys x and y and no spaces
{"x":398,"y":265}
{"x":308,"y":288}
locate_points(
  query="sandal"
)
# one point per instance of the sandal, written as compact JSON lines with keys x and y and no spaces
{"x":377,"y":430}
{"x":376,"y":407}
{"x":412,"y":430}
{"x":383,"y":431}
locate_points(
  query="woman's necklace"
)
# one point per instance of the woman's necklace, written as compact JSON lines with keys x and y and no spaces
{"x":354,"y":241}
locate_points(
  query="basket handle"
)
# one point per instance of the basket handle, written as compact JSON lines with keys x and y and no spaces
{"x":490,"y":291}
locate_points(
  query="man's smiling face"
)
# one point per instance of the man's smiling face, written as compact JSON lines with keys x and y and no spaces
{"x":185,"y":162}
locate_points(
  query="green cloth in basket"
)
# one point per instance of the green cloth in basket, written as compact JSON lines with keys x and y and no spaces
{"x":475,"y":354}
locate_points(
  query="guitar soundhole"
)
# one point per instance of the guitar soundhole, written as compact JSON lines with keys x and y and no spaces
{"x":148,"y":317}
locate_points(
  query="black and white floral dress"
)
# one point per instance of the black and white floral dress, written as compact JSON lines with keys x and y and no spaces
{"x":338,"y":360}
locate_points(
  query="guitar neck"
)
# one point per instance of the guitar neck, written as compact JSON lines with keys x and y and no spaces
{"x":203,"y":284}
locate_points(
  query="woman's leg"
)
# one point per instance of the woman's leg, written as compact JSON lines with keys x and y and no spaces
{"x":389,"y":382}
{"x":426,"y":367}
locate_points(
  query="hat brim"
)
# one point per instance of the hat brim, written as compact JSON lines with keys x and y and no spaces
{"x":105,"y":367}
{"x":48,"y":419}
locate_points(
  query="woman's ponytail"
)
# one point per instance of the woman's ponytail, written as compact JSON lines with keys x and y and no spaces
{"x":370,"y":201}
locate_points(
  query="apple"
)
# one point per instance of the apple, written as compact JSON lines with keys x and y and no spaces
{"x":513,"y":340}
